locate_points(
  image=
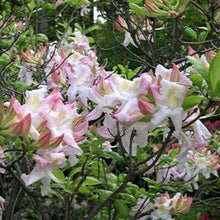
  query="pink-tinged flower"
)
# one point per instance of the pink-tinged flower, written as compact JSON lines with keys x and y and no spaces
{"x":80,"y":42}
{"x":169,"y":101}
{"x":201,"y":133}
{"x":203,"y":161}
{"x":162,"y":208}
{"x":128,"y":113}
{"x":180,"y":204}
{"x":43,"y":170}
{"x":64,"y":123}
{"x":139,"y":139}
{"x":109,"y":128}
{"x":22,"y":127}
{"x":33,"y":58}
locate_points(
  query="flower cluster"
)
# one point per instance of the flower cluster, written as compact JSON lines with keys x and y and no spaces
{"x":54,"y":127}
{"x":165,"y":207}
{"x":164,"y":8}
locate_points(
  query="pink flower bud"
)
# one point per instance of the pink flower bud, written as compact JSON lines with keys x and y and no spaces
{"x":56,"y":77}
{"x":42,"y":126}
{"x":175,"y":74}
{"x":78,"y":120}
{"x":191,"y":51}
{"x":104,"y":88}
{"x":210,"y":55}
{"x":56,"y":141}
{"x":78,"y":138}
{"x":120,"y":24}
{"x":145,"y":107}
{"x":22,"y":127}
{"x":44,"y":139}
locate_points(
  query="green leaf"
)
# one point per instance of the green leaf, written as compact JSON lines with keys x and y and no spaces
{"x":103,"y":194}
{"x":20,"y":86}
{"x":190,"y":33}
{"x":131,"y":73}
{"x":196,"y":79}
{"x":174,"y":152}
{"x":200,"y":68}
{"x":42,"y":37}
{"x":90,"y":181}
{"x":214,"y":75}
{"x":90,"y":29}
{"x":138,"y":9}
{"x":122,"y":68}
{"x":48,"y":6}
{"x":58,"y":174}
{"x":169,"y":188}
{"x":74,"y":171}
{"x":203,"y":36}
{"x":191,"y":101}
{"x":91,"y":40}
{"x":4,"y":58}
{"x":114,"y":155}
{"x":150,"y":181}
{"x":31,"y":5}
{"x":122,"y":208}
{"x":129,"y":198}
{"x":78,"y":2}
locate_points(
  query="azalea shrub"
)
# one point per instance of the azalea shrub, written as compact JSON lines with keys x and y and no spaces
{"x":109,"y":143}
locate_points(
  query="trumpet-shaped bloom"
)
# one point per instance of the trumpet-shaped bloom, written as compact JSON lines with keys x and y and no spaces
{"x":169,"y":100}
{"x":43,"y":170}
